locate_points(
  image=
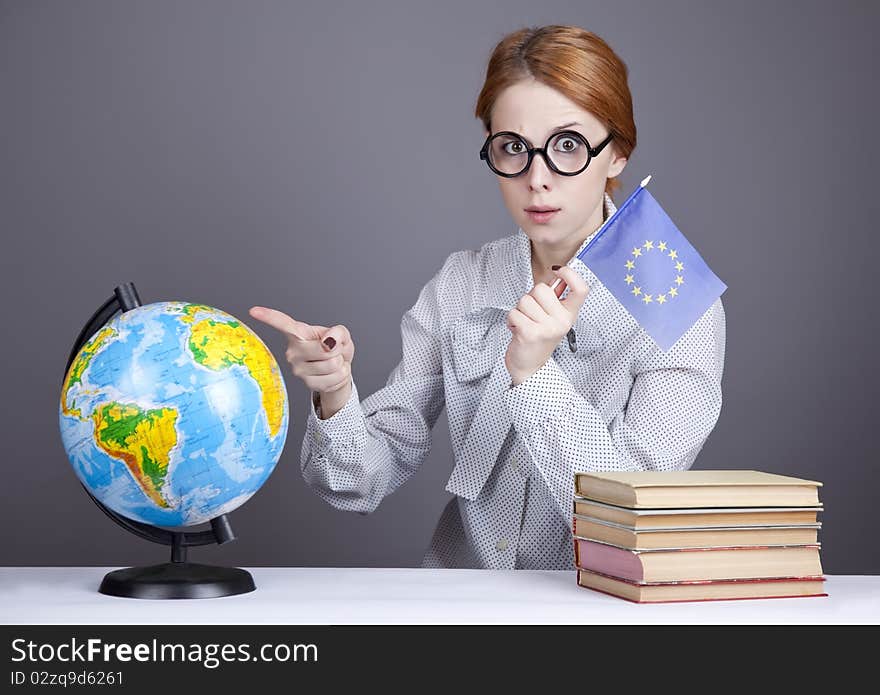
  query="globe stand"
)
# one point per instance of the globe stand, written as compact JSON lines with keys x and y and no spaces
{"x":178,"y":578}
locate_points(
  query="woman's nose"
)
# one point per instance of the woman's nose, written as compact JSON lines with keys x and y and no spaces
{"x":539,"y":174}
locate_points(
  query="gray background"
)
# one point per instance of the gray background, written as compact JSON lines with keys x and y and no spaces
{"x":323,"y":160}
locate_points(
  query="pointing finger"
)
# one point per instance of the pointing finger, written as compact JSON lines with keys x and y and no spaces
{"x":282,"y":322}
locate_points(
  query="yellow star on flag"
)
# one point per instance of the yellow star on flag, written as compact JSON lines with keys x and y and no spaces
{"x":662,"y":246}
{"x":647,"y":299}
{"x":637,"y":252}
{"x":648,"y":245}
{"x":661,"y":298}
{"x":637,"y":290}
{"x":679,"y":279}
{"x":673,"y":291}
{"x":673,"y":255}
{"x":629,"y":279}
{"x":630,"y":265}
{"x":679,"y":266}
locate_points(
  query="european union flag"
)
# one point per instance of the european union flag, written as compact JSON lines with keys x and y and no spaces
{"x":649,"y":266}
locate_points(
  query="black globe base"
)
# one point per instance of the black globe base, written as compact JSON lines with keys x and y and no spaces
{"x":177,"y":580}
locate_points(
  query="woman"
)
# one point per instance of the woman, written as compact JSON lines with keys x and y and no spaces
{"x":537,"y":386}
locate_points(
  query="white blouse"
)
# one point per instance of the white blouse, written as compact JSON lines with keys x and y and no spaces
{"x":617,"y":402}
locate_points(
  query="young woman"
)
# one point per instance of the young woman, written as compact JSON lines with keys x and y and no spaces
{"x":537,"y":386}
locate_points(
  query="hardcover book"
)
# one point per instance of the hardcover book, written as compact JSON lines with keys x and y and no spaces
{"x":745,"y":562}
{"x":690,"y":489}
{"x":715,"y":590}
{"x":704,"y":516}
{"x":693,"y":537}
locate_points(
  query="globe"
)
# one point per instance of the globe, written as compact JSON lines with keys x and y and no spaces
{"x":173,"y":413}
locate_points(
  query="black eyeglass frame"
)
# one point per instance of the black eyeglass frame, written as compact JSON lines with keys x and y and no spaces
{"x":591,"y":152}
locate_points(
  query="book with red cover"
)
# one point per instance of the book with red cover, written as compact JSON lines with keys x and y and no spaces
{"x":687,"y":564}
{"x":709,"y":590}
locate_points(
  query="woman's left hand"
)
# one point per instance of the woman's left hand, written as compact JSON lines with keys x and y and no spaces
{"x":540,"y":320}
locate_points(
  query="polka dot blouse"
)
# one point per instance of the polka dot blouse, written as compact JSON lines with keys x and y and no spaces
{"x":617,"y":402}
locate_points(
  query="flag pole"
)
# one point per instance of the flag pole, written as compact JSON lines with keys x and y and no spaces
{"x":608,"y":222}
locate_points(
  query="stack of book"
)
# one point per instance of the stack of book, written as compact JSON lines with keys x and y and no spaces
{"x":654,"y":537}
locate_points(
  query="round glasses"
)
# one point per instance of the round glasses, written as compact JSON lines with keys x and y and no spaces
{"x":567,"y":153}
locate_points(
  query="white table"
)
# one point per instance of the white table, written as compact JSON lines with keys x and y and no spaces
{"x":327,"y":596}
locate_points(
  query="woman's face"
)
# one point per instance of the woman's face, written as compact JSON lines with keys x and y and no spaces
{"x":534,"y":110}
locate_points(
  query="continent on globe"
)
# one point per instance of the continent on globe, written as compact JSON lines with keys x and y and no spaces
{"x":142,"y":439}
{"x":218,"y":345}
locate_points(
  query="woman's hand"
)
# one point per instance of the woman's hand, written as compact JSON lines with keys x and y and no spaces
{"x":318,"y":355}
{"x":539,"y":321}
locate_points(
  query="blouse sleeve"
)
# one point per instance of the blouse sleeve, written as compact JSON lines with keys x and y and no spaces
{"x":674,"y":403}
{"x":365,"y":451}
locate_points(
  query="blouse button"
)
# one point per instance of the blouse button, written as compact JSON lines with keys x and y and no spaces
{"x":501,"y":544}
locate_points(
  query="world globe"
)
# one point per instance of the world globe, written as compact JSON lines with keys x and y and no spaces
{"x":173,"y":414}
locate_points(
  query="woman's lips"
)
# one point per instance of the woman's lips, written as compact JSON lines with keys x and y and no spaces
{"x":542,"y":216}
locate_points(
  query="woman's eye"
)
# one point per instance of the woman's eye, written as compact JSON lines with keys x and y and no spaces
{"x":513,"y":147}
{"x":567,"y":144}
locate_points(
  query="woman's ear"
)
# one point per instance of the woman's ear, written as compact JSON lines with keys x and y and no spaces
{"x":617,"y":165}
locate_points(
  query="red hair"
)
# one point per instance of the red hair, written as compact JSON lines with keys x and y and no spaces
{"x":573,"y":61}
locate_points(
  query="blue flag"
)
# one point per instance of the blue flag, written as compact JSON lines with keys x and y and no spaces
{"x":648,"y":265}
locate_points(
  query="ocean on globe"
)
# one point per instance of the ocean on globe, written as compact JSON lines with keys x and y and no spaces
{"x":173,"y":413}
